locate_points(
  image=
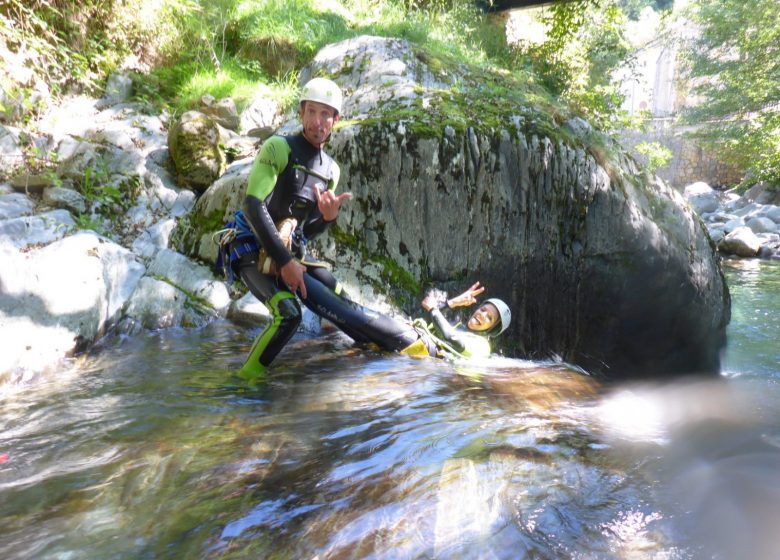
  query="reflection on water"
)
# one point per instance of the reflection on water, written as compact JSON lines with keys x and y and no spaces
{"x":150,"y":449}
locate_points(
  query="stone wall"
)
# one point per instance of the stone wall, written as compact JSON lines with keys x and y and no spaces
{"x":690,"y":162}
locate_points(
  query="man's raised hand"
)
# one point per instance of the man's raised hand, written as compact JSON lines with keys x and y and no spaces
{"x":329,"y":203}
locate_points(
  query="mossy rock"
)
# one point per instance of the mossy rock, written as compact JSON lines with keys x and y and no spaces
{"x":194,"y":147}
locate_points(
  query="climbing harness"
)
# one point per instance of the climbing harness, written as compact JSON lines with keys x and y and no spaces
{"x":235,"y":240}
{"x":420,"y":325}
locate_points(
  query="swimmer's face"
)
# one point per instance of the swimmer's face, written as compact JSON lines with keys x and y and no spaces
{"x":484,"y":318}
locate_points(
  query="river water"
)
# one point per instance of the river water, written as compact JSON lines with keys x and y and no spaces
{"x":146,"y":449}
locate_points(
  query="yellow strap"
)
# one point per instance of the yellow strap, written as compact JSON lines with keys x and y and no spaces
{"x":416,"y":349}
{"x":421,"y":324}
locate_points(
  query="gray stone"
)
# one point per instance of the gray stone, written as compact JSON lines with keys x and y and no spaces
{"x":702,"y":198}
{"x":761,"y":225}
{"x":248,"y":310}
{"x":61,"y":298}
{"x":33,"y":182}
{"x":15,"y":205}
{"x":42,"y":229}
{"x":190,"y":277}
{"x":156,"y":304}
{"x":75,"y":156}
{"x":69,"y":199}
{"x":262,"y":116}
{"x":731,"y":225}
{"x":223,"y":111}
{"x":119,"y":88}
{"x":11,"y":155}
{"x":741,"y":242}
{"x":773,"y":214}
{"x":193,"y":142}
{"x":153,"y":239}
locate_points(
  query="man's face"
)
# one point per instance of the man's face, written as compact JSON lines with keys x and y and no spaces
{"x":318,"y":121}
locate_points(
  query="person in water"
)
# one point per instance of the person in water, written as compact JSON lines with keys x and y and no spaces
{"x":291,"y":187}
{"x":416,"y":338}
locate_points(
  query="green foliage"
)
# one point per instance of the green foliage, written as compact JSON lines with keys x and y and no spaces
{"x":230,"y":47}
{"x":95,"y":186}
{"x":583,"y":47}
{"x":430,"y":6}
{"x":74,"y":44}
{"x":734,"y":66}
{"x":632,"y":8}
{"x":93,"y":223}
{"x":108,"y":196}
{"x":658,"y":156}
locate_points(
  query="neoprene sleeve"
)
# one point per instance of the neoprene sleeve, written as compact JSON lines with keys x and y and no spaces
{"x":265,"y":229}
{"x":448,"y":332}
{"x":269,"y":163}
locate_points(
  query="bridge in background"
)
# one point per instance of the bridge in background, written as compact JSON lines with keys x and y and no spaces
{"x":505,"y":5}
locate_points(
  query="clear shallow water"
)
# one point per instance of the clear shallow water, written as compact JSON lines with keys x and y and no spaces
{"x":147,"y":450}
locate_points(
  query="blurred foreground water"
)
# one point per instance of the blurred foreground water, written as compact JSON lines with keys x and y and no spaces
{"x":148,"y":449}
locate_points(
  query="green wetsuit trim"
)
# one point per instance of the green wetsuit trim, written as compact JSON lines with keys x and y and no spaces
{"x":252,"y":369}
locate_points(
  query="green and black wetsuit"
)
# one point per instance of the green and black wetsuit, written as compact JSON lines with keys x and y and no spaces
{"x":282,"y":184}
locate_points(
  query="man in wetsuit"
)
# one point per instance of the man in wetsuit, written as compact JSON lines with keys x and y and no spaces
{"x":291,"y":178}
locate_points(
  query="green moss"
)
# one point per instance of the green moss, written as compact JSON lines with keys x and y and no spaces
{"x":397,"y":276}
{"x":395,"y":281}
{"x":190,"y":228}
{"x":488,"y":101}
{"x":210,"y":222}
{"x":197,"y":303}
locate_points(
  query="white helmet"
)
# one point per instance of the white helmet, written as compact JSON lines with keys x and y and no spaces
{"x":322,"y":91}
{"x":504,"y":313}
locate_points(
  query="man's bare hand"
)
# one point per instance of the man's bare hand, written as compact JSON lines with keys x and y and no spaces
{"x":292,"y":275}
{"x":329,"y":203}
{"x":469,"y":297}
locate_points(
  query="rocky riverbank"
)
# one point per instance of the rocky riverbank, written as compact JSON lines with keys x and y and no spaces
{"x":86,"y":219}
{"x":602,"y":265}
{"x":746,"y":225}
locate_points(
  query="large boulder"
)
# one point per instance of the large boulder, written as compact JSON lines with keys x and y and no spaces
{"x":193,"y":142}
{"x":702,"y":197}
{"x":741,"y":242}
{"x":61,"y":298}
{"x":601,"y":264}
{"x":614,"y":274}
